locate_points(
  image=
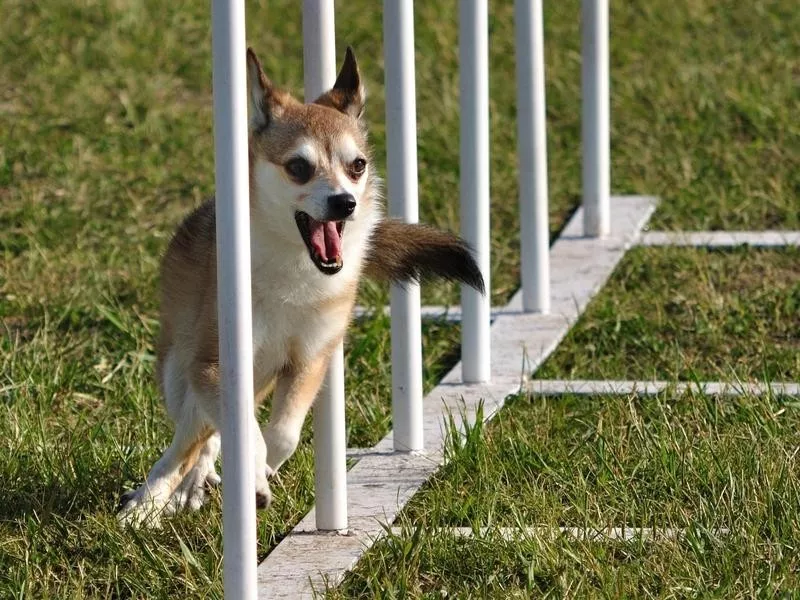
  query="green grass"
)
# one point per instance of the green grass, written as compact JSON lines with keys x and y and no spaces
{"x":105,"y":143}
{"x":667,"y":461}
{"x":539,"y":565}
{"x":692,"y":462}
{"x":674,"y":313}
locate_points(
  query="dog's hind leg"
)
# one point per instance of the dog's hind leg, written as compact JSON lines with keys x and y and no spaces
{"x":146,"y":504}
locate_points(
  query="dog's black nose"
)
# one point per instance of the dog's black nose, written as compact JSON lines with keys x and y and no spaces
{"x":341,"y":206}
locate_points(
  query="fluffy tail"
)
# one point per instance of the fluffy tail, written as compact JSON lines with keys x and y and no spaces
{"x":405,"y":252}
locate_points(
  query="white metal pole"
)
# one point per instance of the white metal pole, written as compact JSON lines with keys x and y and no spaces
{"x":595,"y":119}
{"x":319,"y":48}
{"x":330,"y":443}
{"x":532,"y":143}
{"x":401,"y":172}
{"x":330,"y":447}
{"x":474,"y":74}
{"x":235,"y":308}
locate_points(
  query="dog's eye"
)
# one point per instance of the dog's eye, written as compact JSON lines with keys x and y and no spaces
{"x":299,"y":169}
{"x":357,"y":168}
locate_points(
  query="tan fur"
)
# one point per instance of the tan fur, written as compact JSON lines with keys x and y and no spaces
{"x":301,"y":307}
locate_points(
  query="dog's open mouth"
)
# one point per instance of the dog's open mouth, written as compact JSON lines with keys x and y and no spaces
{"x":323,"y":240}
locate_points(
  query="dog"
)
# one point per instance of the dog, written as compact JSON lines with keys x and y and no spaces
{"x":316,"y":228}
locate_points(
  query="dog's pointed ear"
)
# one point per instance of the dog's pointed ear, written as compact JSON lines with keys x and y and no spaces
{"x":264,"y":101}
{"x":348,"y":94}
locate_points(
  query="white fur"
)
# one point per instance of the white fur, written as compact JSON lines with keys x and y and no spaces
{"x":308,"y":150}
{"x":346,"y":152}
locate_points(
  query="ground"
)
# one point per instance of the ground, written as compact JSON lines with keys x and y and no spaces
{"x":105,"y":142}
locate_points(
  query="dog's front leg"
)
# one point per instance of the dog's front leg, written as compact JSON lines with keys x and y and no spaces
{"x":297,"y":386}
{"x":206,"y":380}
{"x":191,"y":494}
{"x":263,"y":495}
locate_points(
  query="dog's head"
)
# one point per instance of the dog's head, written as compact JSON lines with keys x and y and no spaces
{"x":310,"y":163}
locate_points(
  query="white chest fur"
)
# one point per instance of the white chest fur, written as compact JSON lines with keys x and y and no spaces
{"x":297,"y":312}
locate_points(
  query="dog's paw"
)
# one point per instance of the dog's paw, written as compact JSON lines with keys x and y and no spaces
{"x":263,"y":494}
{"x":213,"y":479}
{"x":192,"y":493}
{"x":137,"y":509}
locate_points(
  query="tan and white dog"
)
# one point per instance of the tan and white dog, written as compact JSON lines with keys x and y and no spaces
{"x":316,"y":226}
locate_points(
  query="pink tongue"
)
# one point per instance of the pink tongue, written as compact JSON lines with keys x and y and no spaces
{"x":325,"y":240}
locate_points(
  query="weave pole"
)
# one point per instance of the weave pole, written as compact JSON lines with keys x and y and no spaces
{"x":235,"y":307}
{"x":595,"y":118}
{"x":474,"y":149}
{"x":402,"y":184}
{"x":330,"y":441}
{"x":532,"y":142}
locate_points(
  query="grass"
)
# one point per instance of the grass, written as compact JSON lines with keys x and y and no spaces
{"x":693,"y":462}
{"x":687,"y":314}
{"x":672,"y":461}
{"x":105,"y":143}
{"x":540,"y":565}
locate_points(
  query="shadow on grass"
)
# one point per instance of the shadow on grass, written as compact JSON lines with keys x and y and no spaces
{"x":30,"y":492}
